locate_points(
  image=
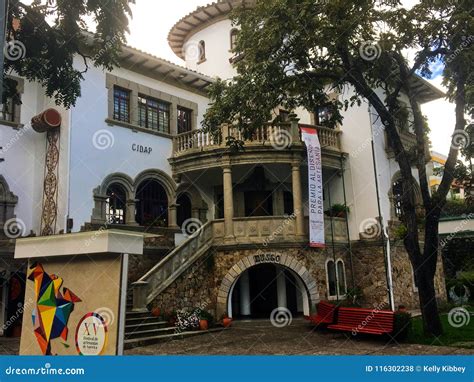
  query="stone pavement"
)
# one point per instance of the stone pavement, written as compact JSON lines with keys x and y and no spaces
{"x":260,"y":337}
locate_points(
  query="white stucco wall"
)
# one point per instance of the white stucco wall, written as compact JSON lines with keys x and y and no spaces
{"x":90,"y":165}
{"x":217,"y":39}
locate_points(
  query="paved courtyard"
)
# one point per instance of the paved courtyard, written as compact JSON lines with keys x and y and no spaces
{"x":260,"y":337}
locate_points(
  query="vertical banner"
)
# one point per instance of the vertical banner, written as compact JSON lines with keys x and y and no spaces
{"x":315,"y":188}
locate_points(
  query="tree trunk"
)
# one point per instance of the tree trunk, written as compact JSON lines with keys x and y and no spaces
{"x":428,"y":304}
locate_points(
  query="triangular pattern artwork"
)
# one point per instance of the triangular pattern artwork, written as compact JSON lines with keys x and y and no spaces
{"x":53,"y":308}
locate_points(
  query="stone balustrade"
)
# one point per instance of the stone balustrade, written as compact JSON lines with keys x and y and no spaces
{"x":271,"y":135}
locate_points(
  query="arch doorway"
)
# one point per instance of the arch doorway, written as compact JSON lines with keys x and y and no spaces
{"x":265,"y":287}
{"x":184,"y":210}
{"x":152,"y":205}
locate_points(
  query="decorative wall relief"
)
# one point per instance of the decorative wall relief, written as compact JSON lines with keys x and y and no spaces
{"x":49,"y":121}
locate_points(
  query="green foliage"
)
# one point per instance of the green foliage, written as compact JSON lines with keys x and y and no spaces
{"x":401,"y":325}
{"x":401,"y":232}
{"x":53,"y":33}
{"x":338,"y":210}
{"x":461,"y":337}
{"x":454,"y":208}
{"x":205,"y":315}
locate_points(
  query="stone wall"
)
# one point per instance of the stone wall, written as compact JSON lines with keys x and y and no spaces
{"x":199,"y":285}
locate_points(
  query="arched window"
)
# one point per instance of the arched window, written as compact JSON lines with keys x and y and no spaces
{"x":152,"y":205}
{"x":202,"y":51}
{"x":341,"y":278}
{"x":233,"y":38}
{"x":397,"y":192}
{"x":336,"y":279}
{"x":116,"y":205}
{"x":184,"y":209}
{"x":331,"y":277}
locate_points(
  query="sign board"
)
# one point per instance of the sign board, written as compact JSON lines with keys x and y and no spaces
{"x":76,"y":302}
{"x":315,"y":188}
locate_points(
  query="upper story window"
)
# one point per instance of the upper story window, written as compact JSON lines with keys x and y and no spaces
{"x":323,"y":115}
{"x":153,"y":114}
{"x":202,"y":51}
{"x":10,"y":109}
{"x":233,"y":38}
{"x":184,"y":120}
{"x":121,"y":104}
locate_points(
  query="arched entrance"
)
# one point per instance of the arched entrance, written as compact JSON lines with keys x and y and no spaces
{"x":258,"y":284}
{"x":184,"y":210}
{"x":152,"y":205}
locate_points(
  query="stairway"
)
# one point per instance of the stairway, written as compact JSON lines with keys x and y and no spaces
{"x":142,"y":328}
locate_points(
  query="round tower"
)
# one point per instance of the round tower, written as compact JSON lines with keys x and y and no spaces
{"x":204,"y":38}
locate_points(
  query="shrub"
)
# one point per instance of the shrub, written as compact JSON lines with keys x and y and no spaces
{"x":454,"y":208}
{"x":401,"y":325}
{"x":205,"y":315}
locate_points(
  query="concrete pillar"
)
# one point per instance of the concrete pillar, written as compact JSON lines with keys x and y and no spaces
{"x":140,"y":290}
{"x":281,"y":287}
{"x":228,"y":203}
{"x":172,"y":216}
{"x":98,"y":212}
{"x":297,"y":197}
{"x":245,"y":294}
{"x":300,"y":289}
{"x":130,"y":218}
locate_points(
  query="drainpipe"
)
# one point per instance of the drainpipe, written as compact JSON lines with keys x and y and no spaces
{"x":333,"y":246}
{"x":384,"y":234}
{"x":349,"y":244}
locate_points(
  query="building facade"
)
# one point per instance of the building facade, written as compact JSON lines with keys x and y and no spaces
{"x":232,"y":227}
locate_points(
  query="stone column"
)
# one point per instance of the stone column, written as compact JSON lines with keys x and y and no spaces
{"x":245,"y":294}
{"x":130,"y":218}
{"x":228,"y":202}
{"x":172,"y":216}
{"x":98,"y":212}
{"x":297,"y":198}
{"x":281,"y":287}
{"x":140,"y":290}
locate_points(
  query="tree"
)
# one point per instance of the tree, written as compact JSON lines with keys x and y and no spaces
{"x":43,"y":39}
{"x":295,"y":53}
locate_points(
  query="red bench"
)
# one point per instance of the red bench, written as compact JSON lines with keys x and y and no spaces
{"x":369,"y":321}
{"x":325,"y":313}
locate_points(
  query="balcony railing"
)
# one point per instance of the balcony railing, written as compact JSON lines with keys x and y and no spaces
{"x":268,"y":135}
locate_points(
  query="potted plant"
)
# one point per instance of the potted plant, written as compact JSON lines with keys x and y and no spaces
{"x":338,"y":211}
{"x":226,"y":321}
{"x":205,"y":319}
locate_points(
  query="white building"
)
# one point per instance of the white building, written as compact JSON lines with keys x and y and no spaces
{"x":130,"y":154}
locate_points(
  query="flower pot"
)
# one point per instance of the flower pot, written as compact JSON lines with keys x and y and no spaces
{"x":203,"y":324}
{"x":227,"y":322}
{"x":156,"y":312}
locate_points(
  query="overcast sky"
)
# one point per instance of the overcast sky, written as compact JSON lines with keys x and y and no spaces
{"x":153,"y":19}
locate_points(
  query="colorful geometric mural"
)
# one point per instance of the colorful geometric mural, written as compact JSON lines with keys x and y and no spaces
{"x":52,"y":311}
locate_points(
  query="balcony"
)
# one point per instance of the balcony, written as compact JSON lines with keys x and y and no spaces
{"x":268,"y":231}
{"x":270,"y":143}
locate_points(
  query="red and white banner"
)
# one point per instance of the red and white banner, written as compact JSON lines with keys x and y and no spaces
{"x":315,"y":187}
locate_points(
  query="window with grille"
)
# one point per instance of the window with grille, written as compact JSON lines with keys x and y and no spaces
{"x":7,"y":110}
{"x":233,"y":38}
{"x":184,"y":120}
{"x":116,"y":204}
{"x":397,"y":191}
{"x":121,"y":104}
{"x":153,"y":114}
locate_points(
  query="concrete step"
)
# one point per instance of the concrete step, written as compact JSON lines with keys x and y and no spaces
{"x":137,"y":342}
{"x":146,"y":326}
{"x":145,"y":332}
{"x":132,"y":314}
{"x":143,"y":320}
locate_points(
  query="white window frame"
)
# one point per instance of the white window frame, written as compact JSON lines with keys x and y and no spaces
{"x":341,"y":296}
